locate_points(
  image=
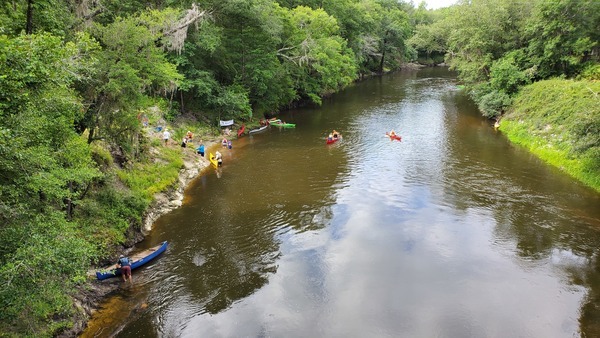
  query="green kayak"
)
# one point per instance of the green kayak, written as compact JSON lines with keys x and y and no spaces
{"x":284,"y":125}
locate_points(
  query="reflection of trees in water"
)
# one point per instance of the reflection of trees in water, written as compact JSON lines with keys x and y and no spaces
{"x":237,"y":262}
{"x":228,"y":278}
{"x":238,"y":235}
{"x":544,"y":213}
{"x":589,"y":321}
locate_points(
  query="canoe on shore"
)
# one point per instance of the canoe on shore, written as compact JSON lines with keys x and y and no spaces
{"x":284,"y":125}
{"x":241,"y":130}
{"x":137,"y":260}
{"x":258,"y":130}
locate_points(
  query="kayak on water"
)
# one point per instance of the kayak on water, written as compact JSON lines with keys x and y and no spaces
{"x":393,"y":136}
{"x":333,"y":137}
{"x":332,"y":140}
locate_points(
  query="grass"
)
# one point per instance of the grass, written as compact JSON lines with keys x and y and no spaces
{"x":520,"y":133}
{"x":151,"y":177}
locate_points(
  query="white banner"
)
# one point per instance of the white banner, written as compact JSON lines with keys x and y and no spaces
{"x":226,"y":123}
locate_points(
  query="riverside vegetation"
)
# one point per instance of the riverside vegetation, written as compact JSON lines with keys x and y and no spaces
{"x":84,"y":84}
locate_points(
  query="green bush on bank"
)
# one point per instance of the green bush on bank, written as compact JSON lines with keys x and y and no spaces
{"x":559,"y":121}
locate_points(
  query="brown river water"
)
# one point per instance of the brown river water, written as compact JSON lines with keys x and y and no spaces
{"x":452,"y":232}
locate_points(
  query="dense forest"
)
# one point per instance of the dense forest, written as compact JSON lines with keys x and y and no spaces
{"x":80,"y":80}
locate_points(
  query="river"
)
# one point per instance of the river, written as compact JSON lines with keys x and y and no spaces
{"x":452,"y":232}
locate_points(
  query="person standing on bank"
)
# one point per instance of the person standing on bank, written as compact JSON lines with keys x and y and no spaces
{"x":166,"y":136}
{"x":200,"y":149}
{"x":219,"y":158}
{"x":125,"y":267}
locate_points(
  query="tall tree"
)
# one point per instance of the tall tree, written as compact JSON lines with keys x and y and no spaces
{"x":131,"y":66}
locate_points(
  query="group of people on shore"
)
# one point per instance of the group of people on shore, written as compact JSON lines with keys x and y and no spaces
{"x":189,"y":136}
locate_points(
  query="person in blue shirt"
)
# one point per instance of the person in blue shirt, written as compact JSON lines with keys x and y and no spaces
{"x":125,"y":267}
{"x":200,"y":149}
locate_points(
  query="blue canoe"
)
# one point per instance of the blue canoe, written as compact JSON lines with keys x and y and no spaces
{"x":137,"y":260}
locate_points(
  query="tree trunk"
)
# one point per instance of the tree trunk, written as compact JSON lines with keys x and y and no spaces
{"x":382,"y":58}
{"x":29,"y":24}
{"x":383,"y":54}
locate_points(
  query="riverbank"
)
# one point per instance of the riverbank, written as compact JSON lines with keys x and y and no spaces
{"x":557,"y":120}
{"x":90,"y":297}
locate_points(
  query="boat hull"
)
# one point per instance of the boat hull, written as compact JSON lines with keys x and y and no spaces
{"x":138,"y":260}
{"x":284,"y":125}
{"x":254,"y":131}
{"x":332,"y":141}
{"x":394,"y":137}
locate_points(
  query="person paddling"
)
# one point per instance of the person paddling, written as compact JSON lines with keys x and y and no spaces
{"x":125,"y":267}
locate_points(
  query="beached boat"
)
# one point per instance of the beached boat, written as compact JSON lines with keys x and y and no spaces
{"x":241,"y":131}
{"x":213,"y":160}
{"x":137,"y":260}
{"x":258,"y":130}
{"x":283,"y":124}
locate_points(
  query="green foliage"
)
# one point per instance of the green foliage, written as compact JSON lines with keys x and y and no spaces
{"x":561,"y":35}
{"x":107,"y":214}
{"x":591,"y":71}
{"x":50,"y":16}
{"x":39,"y":276}
{"x":131,"y":66}
{"x":506,"y":76}
{"x":565,"y":116}
{"x":45,"y":169}
{"x":494,"y":103}
{"x":319,"y":61}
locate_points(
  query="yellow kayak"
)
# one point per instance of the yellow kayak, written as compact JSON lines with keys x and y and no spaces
{"x":213,"y":160}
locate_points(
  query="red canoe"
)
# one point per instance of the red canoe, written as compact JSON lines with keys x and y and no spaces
{"x":241,"y":130}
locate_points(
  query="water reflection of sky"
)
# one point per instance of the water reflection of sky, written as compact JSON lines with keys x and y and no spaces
{"x":451,"y":282}
{"x":396,"y":259}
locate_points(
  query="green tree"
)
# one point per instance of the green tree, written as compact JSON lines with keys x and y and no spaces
{"x":45,"y":169}
{"x":318,"y":59}
{"x":131,"y":66}
{"x":563,"y":35}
